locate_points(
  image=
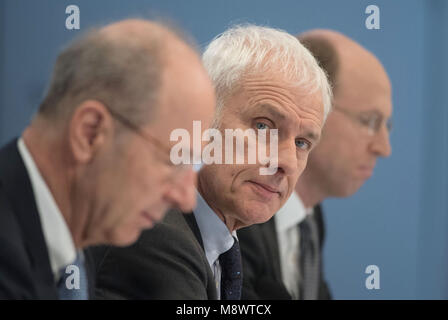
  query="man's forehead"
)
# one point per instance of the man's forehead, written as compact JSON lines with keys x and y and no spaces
{"x":358,"y":83}
{"x":378,"y":105}
{"x":285,"y":120}
{"x":266,"y":108}
{"x":364,"y":99}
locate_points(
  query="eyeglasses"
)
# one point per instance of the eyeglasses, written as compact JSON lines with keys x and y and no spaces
{"x":370,"y":120}
{"x":178,"y":168}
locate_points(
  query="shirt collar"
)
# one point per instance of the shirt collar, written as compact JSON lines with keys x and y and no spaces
{"x":61,"y":249}
{"x":291,"y":214}
{"x":216,"y":237}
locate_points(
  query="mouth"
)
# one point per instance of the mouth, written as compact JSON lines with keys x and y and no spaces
{"x":264,"y":190}
{"x":148,"y":219}
{"x":366,"y":171}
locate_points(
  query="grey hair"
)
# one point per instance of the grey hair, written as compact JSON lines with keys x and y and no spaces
{"x":248,"y":49}
{"x":125,"y":75}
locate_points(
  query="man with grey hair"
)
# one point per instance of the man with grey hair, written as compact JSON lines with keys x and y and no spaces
{"x":93,"y":167}
{"x":282,"y":258}
{"x":265,"y":80}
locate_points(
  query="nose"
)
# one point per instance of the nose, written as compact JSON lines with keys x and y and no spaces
{"x":287,"y":158}
{"x":380,"y":144}
{"x":181,"y":193}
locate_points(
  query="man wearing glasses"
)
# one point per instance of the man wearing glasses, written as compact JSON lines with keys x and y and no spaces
{"x":93,"y":167}
{"x":282,"y":258}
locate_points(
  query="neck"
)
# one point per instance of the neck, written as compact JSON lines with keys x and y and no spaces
{"x":309,"y":191}
{"x":230,"y":223}
{"x":48,"y":152}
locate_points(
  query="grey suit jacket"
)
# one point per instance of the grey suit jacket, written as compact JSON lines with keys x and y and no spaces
{"x":167,"y":262}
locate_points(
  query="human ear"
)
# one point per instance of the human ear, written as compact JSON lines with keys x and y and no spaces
{"x":91,"y":125}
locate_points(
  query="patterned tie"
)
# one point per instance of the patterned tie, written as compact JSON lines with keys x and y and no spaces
{"x":309,"y":259}
{"x":73,"y":284}
{"x":231,"y":273}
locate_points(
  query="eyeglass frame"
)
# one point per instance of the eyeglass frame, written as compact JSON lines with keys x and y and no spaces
{"x":367,"y":123}
{"x":149,"y":138}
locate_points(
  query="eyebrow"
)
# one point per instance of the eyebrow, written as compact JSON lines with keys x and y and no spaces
{"x":275,"y":113}
{"x":312,"y":135}
{"x":375,"y":111}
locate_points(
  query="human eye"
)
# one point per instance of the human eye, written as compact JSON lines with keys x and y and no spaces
{"x":263,"y":124}
{"x":303,"y":144}
{"x":389,"y":125}
{"x":367,"y":120}
{"x":372,"y":120}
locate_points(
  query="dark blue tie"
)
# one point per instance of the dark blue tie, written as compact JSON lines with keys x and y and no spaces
{"x":309,"y":259}
{"x":231,"y":273}
{"x":73,"y":284}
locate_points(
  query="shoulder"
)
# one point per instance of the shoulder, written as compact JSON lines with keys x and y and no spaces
{"x":16,"y":282}
{"x":167,"y":262}
{"x":173,"y":236}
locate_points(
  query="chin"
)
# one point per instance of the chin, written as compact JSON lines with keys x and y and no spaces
{"x":348,"y":190}
{"x":258,"y":213}
{"x":123,"y":237}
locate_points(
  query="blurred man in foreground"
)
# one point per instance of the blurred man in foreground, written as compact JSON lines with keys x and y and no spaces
{"x":93,"y":167}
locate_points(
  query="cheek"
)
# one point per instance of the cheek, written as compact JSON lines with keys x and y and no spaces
{"x":224,"y":178}
{"x":350,"y":155}
{"x":331,"y":154}
{"x":301,"y":165}
{"x":229,"y":184}
{"x":138,"y":188}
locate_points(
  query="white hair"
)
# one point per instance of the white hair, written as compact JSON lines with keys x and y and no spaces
{"x":248,"y":49}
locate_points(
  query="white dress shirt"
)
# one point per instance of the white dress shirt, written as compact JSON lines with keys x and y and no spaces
{"x":287,"y":220}
{"x":60,"y":246}
{"x":216,"y":237}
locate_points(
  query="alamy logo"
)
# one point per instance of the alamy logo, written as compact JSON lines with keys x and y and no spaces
{"x":73,"y":279}
{"x":73,"y":20}
{"x":373,"y":280}
{"x":255,"y":148}
{"x":373,"y":20}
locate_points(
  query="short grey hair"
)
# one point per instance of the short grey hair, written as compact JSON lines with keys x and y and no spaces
{"x":248,"y":49}
{"x":125,"y":75}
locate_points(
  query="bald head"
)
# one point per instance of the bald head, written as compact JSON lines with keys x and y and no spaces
{"x":340,"y":55}
{"x":102,"y":137}
{"x":355,"y":133}
{"x":120,"y":65}
{"x":144,"y":33}
{"x":135,"y":29}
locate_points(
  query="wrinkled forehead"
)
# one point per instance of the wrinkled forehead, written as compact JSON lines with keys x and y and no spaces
{"x":290,"y":108}
{"x":293,"y":96}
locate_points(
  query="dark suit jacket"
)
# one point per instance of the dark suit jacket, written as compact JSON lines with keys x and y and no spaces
{"x":167,"y":262}
{"x":261,"y":261}
{"x":25,"y":271}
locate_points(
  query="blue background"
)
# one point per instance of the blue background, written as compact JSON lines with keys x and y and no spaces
{"x":399,"y":219}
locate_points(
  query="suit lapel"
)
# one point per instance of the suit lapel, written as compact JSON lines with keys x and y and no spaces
{"x":18,"y":189}
{"x":191,"y":221}
{"x":318,"y":216}
{"x":271,"y":243}
{"x":192,"y":224}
